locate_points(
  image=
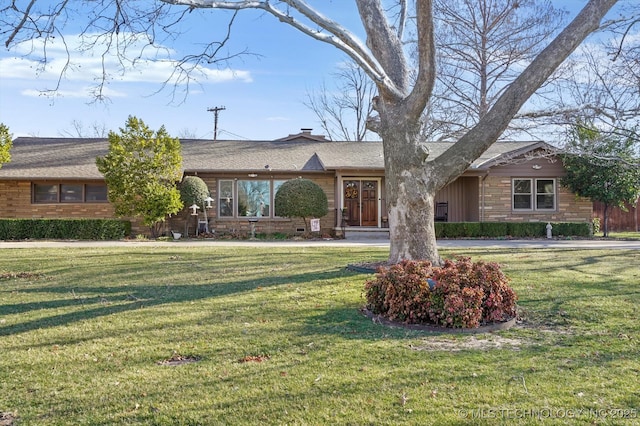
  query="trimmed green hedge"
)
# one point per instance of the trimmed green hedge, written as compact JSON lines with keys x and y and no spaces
{"x":74,"y":229}
{"x":510,"y":229}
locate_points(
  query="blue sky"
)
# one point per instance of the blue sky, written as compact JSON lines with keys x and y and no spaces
{"x":263,"y":95}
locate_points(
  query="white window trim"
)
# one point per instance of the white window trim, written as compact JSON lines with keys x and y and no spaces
{"x":219,"y":198}
{"x":534,"y":195}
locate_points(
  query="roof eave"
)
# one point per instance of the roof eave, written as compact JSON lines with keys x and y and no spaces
{"x":511,"y":154}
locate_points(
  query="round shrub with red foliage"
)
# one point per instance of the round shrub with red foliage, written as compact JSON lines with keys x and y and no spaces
{"x":401,"y":291}
{"x":461,"y":293}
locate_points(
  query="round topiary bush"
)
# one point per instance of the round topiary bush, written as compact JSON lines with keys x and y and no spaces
{"x":460,"y":294}
{"x":193,"y":190}
{"x":301,"y":198}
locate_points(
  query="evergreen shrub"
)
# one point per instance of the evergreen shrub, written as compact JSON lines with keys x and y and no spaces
{"x":510,"y":229}
{"x":72,"y":229}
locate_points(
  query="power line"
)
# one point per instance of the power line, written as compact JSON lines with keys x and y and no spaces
{"x":223,"y":131}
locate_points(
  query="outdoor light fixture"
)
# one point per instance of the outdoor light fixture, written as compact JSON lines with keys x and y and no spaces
{"x":536,"y":167}
{"x":252,"y":175}
{"x":208,"y":202}
{"x":194,"y":209}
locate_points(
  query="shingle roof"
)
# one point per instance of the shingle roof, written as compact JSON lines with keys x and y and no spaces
{"x":54,"y":158}
{"x":200,"y":155}
{"x":74,"y":158}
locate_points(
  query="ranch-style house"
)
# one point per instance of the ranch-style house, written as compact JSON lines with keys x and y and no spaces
{"x":512,"y":181}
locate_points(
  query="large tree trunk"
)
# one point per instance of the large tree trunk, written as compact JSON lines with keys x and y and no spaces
{"x":411,"y":225}
{"x":410,"y":191}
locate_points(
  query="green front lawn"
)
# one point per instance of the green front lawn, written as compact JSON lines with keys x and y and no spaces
{"x":279,"y":339}
{"x":622,"y":235}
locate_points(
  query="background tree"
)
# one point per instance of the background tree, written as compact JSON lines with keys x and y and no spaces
{"x":405,"y":88}
{"x":301,"y":198}
{"x":610,"y":173}
{"x":599,"y":84}
{"x":482,"y":46}
{"x":141,"y":171}
{"x":6,"y":143}
{"x":343,"y":110}
{"x":193,"y":190}
{"x":80,"y":130}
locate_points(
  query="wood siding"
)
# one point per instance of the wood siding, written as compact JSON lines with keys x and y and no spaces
{"x":470,"y":198}
{"x":462,"y":197}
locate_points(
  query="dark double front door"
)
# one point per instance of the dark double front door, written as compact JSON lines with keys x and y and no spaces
{"x":360,"y":202}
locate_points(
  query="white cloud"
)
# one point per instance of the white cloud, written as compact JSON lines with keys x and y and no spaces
{"x":74,"y":62}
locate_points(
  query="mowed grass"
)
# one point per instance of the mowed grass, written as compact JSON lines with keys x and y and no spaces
{"x":622,"y":235}
{"x":279,"y":339}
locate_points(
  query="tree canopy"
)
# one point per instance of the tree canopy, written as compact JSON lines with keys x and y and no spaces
{"x":5,"y":144}
{"x":603,"y":168}
{"x":141,"y":171}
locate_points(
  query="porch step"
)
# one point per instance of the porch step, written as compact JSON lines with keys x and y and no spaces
{"x":366,"y":234}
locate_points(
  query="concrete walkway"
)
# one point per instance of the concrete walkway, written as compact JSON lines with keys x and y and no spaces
{"x":524,"y":244}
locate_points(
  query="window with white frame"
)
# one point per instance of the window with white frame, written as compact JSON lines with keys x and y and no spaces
{"x":247,"y":197}
{"x":533,"y":194}
{"x":225,"y":198}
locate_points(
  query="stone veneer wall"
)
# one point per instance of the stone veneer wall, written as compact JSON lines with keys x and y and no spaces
{"x":15,"y":203}
{"x":240,"y":226}
{"x":497,"y":199}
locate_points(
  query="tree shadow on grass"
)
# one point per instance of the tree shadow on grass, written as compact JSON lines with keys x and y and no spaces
{"x":350,"y":322}
{"x":119,"y":299}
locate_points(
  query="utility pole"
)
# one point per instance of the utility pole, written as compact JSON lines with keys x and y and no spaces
{"x":215,"y":111}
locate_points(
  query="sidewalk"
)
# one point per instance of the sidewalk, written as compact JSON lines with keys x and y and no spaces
{"x":479,"y":243}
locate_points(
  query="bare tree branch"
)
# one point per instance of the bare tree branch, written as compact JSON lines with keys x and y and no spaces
{"x":20,"y":25}
{"x":330,"y":32}
{"x":478,"y":139}
{"x":482,"y":46}
{"x":387,"y":49}
{"x":343,"y":112}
